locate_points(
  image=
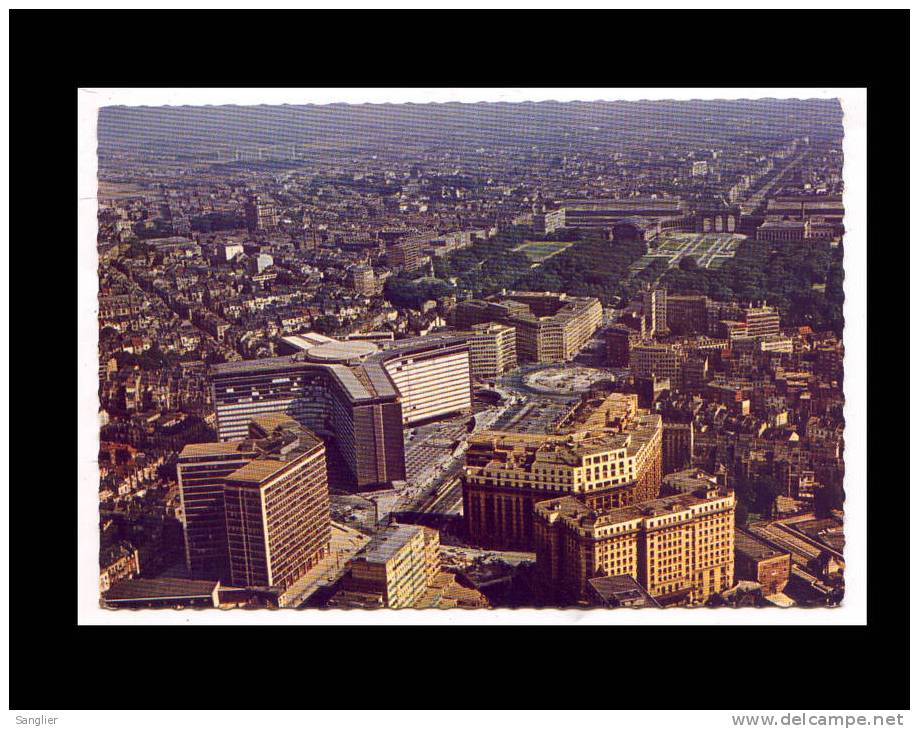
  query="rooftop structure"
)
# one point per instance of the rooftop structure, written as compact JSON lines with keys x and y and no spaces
{"x":688,"y":480}
{"x":758,"y":561}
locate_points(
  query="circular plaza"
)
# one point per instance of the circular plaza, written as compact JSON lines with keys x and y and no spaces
{"x":564,"y":380}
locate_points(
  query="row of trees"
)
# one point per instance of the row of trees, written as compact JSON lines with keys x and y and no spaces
{"x":757,"y":494}
{"x":591,"y":267}
{"x":153,"y":359}
{"x":488,"y":265}
{"x":216,"y":221}
{"x":783,"y":274}
{"x":404,"y":293}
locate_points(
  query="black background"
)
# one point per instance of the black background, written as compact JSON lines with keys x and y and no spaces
{"x":56,"y":664}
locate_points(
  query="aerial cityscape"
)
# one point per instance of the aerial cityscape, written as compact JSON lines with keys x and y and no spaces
{"x":473,"y":356}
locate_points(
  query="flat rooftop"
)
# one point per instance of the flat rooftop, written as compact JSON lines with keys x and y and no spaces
{"x":617,"y":589}
{"x":161,"y":588}
{"x":753,"y":548}
{"x":364,"y":378}
{"x":388,"y":542}
{"x":341,"y":352}
{"x":571,"y":509}
{"x":200,"y":450}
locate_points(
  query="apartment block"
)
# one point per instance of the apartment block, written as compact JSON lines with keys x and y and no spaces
{"x":680,"y":549}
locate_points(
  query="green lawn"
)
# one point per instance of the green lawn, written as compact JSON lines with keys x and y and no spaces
{"x":538,"y":251}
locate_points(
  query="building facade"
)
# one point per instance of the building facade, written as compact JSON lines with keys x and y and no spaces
{"x":676,"y":449}
{"x":549,"y":327}
{"x":361,"y":279}
{"x":432,"y":376}
{"x":399,"y":564}
{"x":654,"y":308}
{"x":359,"y":408}
{"x":278,"y":521}
{"x":680,"y":549}
{"x":652,"y":359}
{"x":261,"y":214}
{"x":610,"y":456}
{"x":404,"y":254}
{"x":617,"y":346}
{"x":762,"y":321}
{"x":603,"y":214}
{"x":492,"y":350}
{"x":202,"y":469}
{"x":687,"y":314}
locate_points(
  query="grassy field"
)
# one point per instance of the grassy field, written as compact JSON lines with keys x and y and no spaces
{"x":538,"y":251}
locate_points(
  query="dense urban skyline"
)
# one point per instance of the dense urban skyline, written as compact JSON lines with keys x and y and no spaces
{"x":472,"y":355}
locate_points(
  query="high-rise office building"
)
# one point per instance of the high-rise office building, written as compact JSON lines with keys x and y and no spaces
{"x":609,"y":455}
{"x":242,"y":500}
{"x":261,"y":214}
{"x":278,"y":521}
{"x":431,"y":374}
{"x":358,"y":393}
{"x":356,"y":407}
{"x":654,"y":308}
{"x":202,"y":468}
{"x":492,"y":350}
{"x":678,"y":548}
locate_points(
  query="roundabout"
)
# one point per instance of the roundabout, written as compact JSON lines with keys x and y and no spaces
{"x":564,"y":379}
